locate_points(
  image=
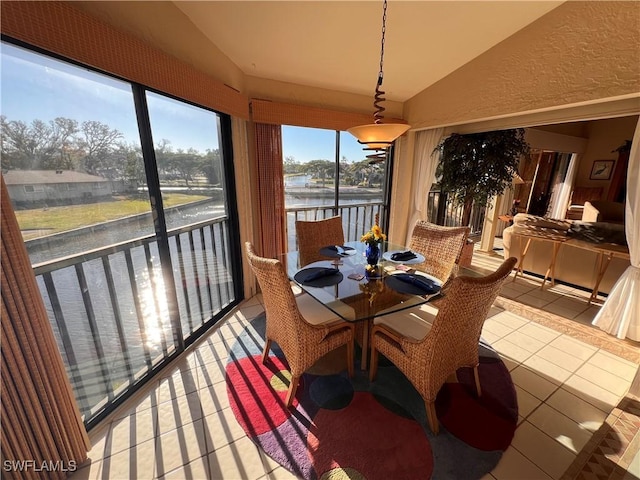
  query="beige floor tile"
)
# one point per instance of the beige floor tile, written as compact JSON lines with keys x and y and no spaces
{"x":527,"y":403}
{"x":547,"y":370}
{"x":515,"y":466}
{"x":588,"y":315}
{"x":180,"y":447}
{"x":615,"y":365}
{"x":545,"y":295}
{"x":511,"y":350}
{"x":178,"y":412}
{"x":582,"y":412}
{"x":178,"y":384}
{"x":574,"y":347}
{"x":489,"y":337}
{"x":213,"y":398}
{"x":532,"y":383}
{"x":195,"y":470}
{"x":575,"y":304}
{"x":509,"y":292}
{"x":89,"y":470}
{"x":511,"y":320}
{"x":591,"y":393}
{"x":533,"y":301}
{"x":496,"y":327}
{"x":539,"y":332}
{"x":132,"y":430}
{"x":560,"y":358}
{"x":545,"y":452}
{"x":510,"y":364}
{"x":560,"y":427}
{"x":239,"y":459}
{"x":525,"y":341}
{"x":279,"y":473}
{"x":604,"y":379}
{"x":560,"y":310}
{"x":137,"y":462}
{"x":222,"y":428}
{"x":210,"y":374}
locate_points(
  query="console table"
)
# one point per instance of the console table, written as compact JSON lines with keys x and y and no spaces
{"x":606,"y":252}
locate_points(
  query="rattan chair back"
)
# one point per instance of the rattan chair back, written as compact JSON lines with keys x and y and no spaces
{"x":441,"y":247}
{"x":313,"y":235}
{"x":302,"y":343}
{"x":453,"y":340}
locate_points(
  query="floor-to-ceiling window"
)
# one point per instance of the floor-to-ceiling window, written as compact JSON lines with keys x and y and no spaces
{"x":126,"y":203}
{"x":327,"y":172}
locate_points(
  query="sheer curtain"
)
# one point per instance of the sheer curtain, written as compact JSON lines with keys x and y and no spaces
{"x":620,"y":314}
{"x":561,"y":202}
{"x":425,"y":164}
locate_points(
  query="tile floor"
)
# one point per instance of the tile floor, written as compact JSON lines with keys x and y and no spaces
{"x":181,"y":426}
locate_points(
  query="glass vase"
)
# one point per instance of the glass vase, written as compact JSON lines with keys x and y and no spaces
{"x":373,"y":254}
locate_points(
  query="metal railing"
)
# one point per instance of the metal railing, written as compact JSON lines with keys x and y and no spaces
{"x":112,"y":318}
{"x":451,"y":214}
{"x":356,"y":219}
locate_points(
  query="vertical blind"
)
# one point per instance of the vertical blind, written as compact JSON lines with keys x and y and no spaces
{"x":40,"y":421}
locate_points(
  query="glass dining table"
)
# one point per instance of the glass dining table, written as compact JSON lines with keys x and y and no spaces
{"x":344,"y":286}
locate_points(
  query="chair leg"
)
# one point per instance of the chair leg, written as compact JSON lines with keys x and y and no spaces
{"x":350,"y":355}
{"x":293,"y":386}
{"x":373,"y":367}
{"x":432,"y":417}
{"x":265,"y":351}
{"x":476,"y":376}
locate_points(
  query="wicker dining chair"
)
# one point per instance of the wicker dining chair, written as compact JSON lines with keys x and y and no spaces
{"x":441,"y":247}
{"x":429,"y":345}
{"x":313,"y":235}
{"x":304,"y":329}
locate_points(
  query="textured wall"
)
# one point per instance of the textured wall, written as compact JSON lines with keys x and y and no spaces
{"x":579,"y":52}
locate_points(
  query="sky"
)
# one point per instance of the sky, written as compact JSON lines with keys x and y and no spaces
{"x":34,"y":86}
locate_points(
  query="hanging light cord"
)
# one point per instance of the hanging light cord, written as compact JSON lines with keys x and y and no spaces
{"x":379,"y":95}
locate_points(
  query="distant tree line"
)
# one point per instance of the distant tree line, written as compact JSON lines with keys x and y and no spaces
{"x":361,"y":173}
{"x":96,"y":148}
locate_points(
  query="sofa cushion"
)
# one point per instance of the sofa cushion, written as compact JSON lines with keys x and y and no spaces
{"x":526,"y":220}
{"x":598,"y":232}
{"x":603,"y":211}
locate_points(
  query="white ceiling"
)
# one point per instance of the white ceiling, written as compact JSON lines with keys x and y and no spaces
{"x":336,"y":44}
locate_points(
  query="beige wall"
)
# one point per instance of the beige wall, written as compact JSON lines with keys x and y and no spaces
{"x":604,"y":137}
{"x":579,"y":52}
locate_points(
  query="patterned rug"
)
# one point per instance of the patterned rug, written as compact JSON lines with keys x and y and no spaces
{"x":352,"y":428}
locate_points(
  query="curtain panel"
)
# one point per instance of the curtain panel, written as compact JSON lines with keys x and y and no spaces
{"x":40,"y":420}
{"x":269,"y":169}
{"x":620,"y":314}
{"x":425,"y":165}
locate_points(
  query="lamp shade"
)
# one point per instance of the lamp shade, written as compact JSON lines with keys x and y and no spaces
{"x":378,"y":135}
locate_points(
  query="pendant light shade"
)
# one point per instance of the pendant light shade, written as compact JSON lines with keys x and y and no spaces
{"x":379,"y":135}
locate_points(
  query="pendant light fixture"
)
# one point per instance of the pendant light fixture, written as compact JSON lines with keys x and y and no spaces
{"x":378,"y":135}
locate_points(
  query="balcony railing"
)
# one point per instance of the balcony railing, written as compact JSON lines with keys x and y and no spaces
{"x":451,"y":215}
{"x":356,"y":219}
{"x":112,"y":315}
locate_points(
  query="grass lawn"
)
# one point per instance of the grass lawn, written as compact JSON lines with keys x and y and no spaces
{"x":58,"y":219}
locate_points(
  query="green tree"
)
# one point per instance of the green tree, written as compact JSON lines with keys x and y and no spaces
{"x":475,"y":167}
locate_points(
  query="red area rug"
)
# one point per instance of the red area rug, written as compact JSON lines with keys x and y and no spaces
{"x":351,"y":428}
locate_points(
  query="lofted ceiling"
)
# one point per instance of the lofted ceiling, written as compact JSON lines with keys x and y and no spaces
{"x":336,"y":44}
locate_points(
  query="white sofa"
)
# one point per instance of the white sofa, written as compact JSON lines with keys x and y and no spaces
{"x":574,"y":265}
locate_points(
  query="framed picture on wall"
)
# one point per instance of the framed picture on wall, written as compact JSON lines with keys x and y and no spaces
{"x":601,"y":170}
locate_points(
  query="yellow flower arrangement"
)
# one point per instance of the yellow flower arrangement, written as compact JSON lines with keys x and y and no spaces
{"x":373,"y":236}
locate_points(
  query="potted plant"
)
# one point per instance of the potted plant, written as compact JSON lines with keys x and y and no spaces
{"x":475,"y":167}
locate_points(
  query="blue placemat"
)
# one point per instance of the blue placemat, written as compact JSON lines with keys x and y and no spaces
{"x":412,"y":284}
{"x":318,"y":277}
{"x":332,"y":251}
